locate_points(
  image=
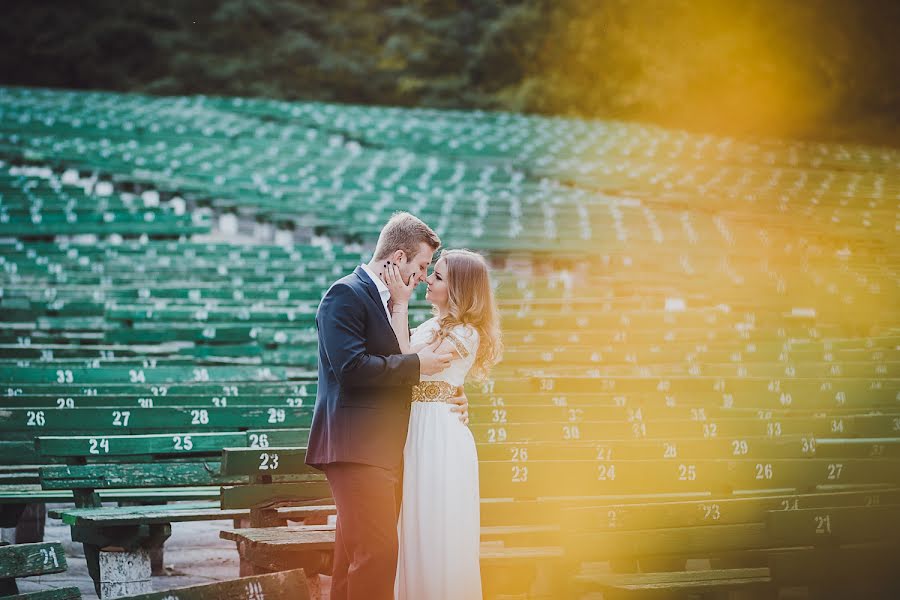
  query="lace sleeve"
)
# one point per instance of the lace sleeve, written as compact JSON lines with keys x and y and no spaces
{"x":465,"y":339}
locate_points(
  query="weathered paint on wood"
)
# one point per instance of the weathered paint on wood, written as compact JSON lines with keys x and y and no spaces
{"x":284,"y":585}
{"x":25,"y":560}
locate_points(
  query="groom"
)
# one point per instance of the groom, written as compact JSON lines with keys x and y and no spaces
{"x":362,"y":409}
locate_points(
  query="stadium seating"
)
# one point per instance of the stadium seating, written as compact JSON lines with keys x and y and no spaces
{"x":701,"y":366}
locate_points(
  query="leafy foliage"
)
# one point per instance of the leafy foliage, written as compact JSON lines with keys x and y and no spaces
{"x":820,"y":68}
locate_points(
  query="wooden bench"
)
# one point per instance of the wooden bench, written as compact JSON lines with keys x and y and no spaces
{"x":159,"y":464}
{"x":269,"y":544}
{"x":279,"y":487}
{"x":839,"y":550}
{"x":542,"y":479}
{"x":28,"y":560}
{"x":717,"y":544}
{"x":284,"y":585}
{"x":21,"y":497}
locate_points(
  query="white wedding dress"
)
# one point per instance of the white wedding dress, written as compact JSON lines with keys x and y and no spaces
{"x":440,"y":521}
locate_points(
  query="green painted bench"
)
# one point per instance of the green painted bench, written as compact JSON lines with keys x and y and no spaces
{"x":838,"y":572}
{"x":160,"y":465}
{"x":28,"y":560}
{"x":839,"y":550}
{"x":279,"y":485}
{"x":19,"y":426}
{"x":632,"y":550}
{"x":285,"y":585}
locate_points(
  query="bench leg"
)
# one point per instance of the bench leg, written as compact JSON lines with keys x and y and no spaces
{"x":116,"y":572}
{"x":8,"y":587}
{"x":92,"y":558}
{"x":10,"y":513}
{"x":30,"y":528}
{"x":124,"y":573}
{"x":157,"y":555}
{"x":9,"y":518}
{"x":157,"y":559}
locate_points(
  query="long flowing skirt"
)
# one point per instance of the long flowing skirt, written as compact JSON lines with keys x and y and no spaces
{"x":440,"y":521}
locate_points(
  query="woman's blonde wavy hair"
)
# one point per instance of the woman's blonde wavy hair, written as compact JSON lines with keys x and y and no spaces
{"x":471,"y":302}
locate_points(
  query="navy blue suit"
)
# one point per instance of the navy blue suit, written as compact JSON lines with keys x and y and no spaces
{"x":358,"y":432}
{"x":365,"y":384}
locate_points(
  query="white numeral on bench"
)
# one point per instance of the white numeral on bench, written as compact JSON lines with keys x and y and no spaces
{"x":739,"y":447}
{"x":201,"y":375}
{"x":606,"y":472}
{"x":268,"y":462}
{"x":790,"y":504}
{"x":65,"y":403}
{"x":687,"y":472}
{"x":823,"y":524}
{"x":764,"y":471}
{"x":120,"y":418}
{"x":519,"y":454}
{"x":711,"y":512}
{"x":136,"y":376}
{"x":35,"y":418}
{"x":808,"y":445}
{"x":96,"y":445}
{"x":220,"y":402}
{"x":259,"y":440}
{"x":182,"y":442}
{"x":255,"y":591}
{"x":276,"y":415}
{"x":48,"y":558}
{"x":834,"y":471}
{"x":670,"y":451}
{"x":295,"y":402}
{"x":639,"y":430}
{"x":519,"y":474}
{"x":496,"y":435}
{"x":199,"y":417}
{"x":145,"y":402}
{"x":64,"y":376}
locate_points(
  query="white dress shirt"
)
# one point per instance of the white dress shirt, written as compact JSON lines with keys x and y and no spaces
{"x":383,"y":290}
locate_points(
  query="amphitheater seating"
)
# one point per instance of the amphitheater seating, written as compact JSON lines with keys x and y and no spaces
{"x":157,"y":463}
{"x":29,"y":560}
{"x":278,"y":487}
{"x":632,"y":549}
{"x":690,"y":322}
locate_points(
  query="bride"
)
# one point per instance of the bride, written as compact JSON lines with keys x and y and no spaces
{"x":439,"y":527}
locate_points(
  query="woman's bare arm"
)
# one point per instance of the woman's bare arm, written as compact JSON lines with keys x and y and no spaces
{"x":400,"y":325}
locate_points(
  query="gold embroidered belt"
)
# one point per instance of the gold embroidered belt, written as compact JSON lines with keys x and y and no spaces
{"x":433,"y":391}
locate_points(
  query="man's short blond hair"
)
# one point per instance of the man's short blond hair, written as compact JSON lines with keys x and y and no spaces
{"x":405,"y":232}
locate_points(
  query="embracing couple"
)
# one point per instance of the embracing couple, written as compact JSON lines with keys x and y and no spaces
{"x":390,"y":418}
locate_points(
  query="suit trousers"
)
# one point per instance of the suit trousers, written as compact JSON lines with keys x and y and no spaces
{"x":366,"y":543}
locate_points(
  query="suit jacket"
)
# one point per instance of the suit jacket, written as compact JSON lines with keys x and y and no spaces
{"x":365,"y":383}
